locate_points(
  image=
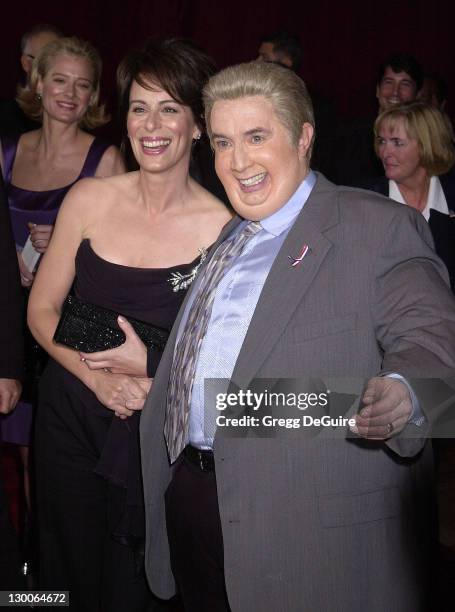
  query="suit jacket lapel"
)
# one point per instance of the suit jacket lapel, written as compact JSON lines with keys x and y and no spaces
{"x":286,"y":285}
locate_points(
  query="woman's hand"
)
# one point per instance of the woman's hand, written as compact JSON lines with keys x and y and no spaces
{"x":115,"y":390}
{"x":138,"y":404}
{"x":10,"y":391}
{"x":128,"y":358}
{"x":26,"y":276}
{"x":40,"y":236}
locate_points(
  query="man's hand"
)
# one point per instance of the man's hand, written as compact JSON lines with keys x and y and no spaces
{"x":10,"y":391}
{"x":386,"y":409}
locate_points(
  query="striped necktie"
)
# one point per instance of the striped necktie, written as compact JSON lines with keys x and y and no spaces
{"x":188,"y":348}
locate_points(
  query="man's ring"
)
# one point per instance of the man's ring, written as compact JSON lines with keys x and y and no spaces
{"x":389,"y":428}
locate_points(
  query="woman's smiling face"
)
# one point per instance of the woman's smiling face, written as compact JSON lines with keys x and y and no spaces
{"x":161,"y":130}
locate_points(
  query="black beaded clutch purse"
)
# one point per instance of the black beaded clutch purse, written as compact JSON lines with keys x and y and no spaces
{"x":89,"y":328}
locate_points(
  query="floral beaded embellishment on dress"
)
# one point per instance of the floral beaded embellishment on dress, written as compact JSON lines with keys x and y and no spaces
{"x":181,"y":281}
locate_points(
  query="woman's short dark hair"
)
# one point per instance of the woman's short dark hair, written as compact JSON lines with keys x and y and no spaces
{"x":175,"y":65}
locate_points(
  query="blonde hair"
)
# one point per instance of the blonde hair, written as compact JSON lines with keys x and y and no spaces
{"x":285,"y":90}
{"x":30,"y":102}
{"x":428,"y":126}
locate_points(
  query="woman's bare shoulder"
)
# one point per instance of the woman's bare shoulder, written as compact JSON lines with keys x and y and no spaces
{"x":105,"y":185}
{"x":94,"y":195}
{"x":29,"y":140}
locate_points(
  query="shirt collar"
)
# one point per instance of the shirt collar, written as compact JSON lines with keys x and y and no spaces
{"x":436,"y":199}
{"x":283,"y":218}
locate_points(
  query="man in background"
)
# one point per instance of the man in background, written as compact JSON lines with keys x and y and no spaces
{"x":284,"y":48}
{"x":399,"y":80}
{"x":12,"y":118}
{"x":281,"y":48}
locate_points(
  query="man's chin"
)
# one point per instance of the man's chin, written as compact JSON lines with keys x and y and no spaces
{"x":254,"y":209}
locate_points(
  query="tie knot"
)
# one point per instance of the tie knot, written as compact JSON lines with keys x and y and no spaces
{"x":251,"y":228}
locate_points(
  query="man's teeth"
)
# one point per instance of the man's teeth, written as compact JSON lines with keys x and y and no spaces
{"x":156,"y":143}
{"x":253,"y":180}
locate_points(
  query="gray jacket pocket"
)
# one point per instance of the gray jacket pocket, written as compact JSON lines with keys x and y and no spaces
{"x":339,"y":510}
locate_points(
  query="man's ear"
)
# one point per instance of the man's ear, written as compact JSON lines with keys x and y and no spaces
{"x":305,"y":140}
{"x":286,"y":61}
{"x":377,"y":91}
{"x":25,"y":63}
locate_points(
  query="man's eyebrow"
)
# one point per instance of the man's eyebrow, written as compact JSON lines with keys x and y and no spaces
{"x":256,"y":130}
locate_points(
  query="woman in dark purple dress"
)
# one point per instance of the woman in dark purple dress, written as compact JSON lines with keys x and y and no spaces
{"x":133,"y":244}
{"x":39,"y":168}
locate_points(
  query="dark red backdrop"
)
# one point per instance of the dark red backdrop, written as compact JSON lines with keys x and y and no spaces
{"x":343,"y":42}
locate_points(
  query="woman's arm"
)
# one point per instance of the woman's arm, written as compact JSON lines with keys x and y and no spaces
{"x":111,"y":163}
{"x":52,"y":284}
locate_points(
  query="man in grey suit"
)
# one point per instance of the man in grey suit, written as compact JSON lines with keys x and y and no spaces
{"x":329,"y":282}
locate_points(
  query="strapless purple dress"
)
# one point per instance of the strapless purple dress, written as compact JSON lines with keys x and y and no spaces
{"x":40,"y":207}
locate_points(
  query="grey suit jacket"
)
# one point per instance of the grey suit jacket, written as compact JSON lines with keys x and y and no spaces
{"x":314,"y":524}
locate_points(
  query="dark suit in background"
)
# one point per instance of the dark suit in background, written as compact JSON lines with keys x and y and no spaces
{"x":354,"y":160}
{"x":13,"y":120}
{"x":11,"y":344}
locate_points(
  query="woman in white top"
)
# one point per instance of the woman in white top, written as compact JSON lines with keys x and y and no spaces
{"x":415,"y":144}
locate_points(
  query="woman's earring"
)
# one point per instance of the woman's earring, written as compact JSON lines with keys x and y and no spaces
{"x":197,"y":137}
{"x":39,"y":97}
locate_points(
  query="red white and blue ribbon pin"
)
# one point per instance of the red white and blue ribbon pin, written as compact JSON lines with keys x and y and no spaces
{"x":296,"y":261}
